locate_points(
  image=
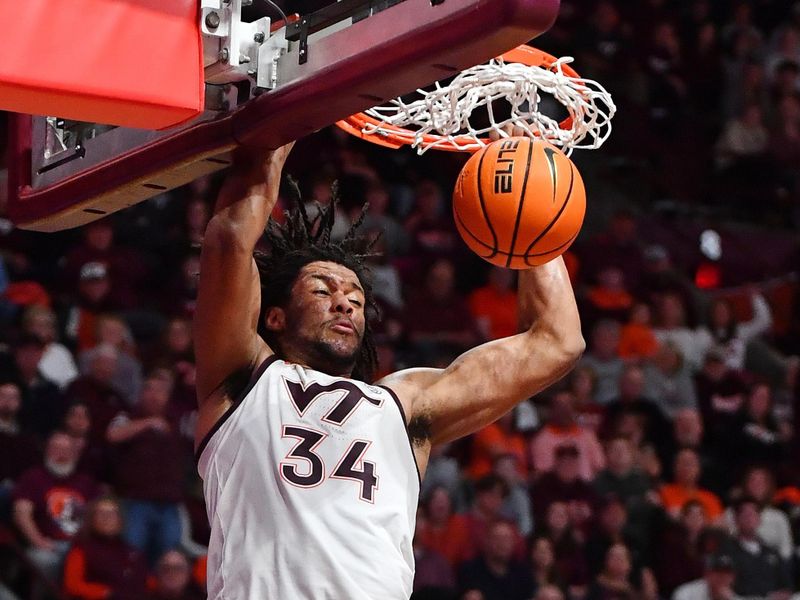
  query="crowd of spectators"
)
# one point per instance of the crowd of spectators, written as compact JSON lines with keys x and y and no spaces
{"x":664,"y":465}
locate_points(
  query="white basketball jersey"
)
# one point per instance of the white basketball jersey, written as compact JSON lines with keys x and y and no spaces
{"x":311,"y":489}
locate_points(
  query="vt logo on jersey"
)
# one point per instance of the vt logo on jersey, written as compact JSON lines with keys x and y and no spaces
{"x":504,"y":169}
{"x":347,"y":397}
{"x":350,"y":395}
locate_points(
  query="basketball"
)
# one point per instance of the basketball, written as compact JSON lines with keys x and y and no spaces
{"x":519,"y":202}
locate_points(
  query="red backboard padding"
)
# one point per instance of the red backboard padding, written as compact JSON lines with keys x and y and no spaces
{"x":135,"y":63}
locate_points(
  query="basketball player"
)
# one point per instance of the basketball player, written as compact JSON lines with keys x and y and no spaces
{"x":311,"y":474}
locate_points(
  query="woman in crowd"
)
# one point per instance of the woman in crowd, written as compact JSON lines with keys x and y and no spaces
{"x":100,"y":564}
{"x":680,"y":552}
{"x":617,"y":581}
{"x":570,"y":560}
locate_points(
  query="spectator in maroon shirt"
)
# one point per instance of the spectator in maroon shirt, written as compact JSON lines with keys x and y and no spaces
{"x":721,"y":394}
{"x":100,"y":565}
{"x":77,"y":424}
{"x":19,"y":449}
{"x":683,"y":547}
{"x":49,"y":504}
{"x":446,"y":323}
{"x":571,"y":567}
{"x":149,"y":469}
{"x":97,"y":391}
{"x":619,"y":246}
{"x":127,"y":270}
{"x":173,"y":579}
{"x":564,"y":484}
{"x":431,"y":229}
{"x":175,"y":359}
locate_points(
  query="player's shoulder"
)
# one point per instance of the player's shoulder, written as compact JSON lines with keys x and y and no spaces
{"x":410,"y":382}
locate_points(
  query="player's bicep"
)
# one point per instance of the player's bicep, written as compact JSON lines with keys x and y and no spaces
{"x":488,"y":381}
{"x":228,"y":302}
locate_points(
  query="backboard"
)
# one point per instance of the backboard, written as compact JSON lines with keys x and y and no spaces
{"x":265,"y":84}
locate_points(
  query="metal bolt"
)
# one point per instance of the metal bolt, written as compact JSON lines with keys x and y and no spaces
{"x":243,"y":58}
{"x":212,"y":20}
{"x":223,"y":54}
{"x":258,"y":37}
{"x":251,"y":72}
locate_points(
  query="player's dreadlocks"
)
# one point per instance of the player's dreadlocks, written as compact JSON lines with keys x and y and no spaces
{"x":302,"y":240}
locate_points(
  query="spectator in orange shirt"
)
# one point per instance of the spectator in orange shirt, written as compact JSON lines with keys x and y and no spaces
{"x":685,"y":488}
{"x":101,"y":565}
{"x":443,"y":531}
{"x":637,"y":340}
{"x":494,"y":306}
{"x":494,"y":441}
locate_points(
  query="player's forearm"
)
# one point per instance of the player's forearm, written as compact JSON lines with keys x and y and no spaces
{"x":547,"y":304}
{"x":250,"y":193}
{"x":249,"y":212}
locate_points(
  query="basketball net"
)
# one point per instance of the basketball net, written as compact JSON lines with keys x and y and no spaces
{"x":440,"y":118}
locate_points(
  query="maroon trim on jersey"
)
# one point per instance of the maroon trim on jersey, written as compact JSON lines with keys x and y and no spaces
{"x":236,"y":402}
{"x":405,"y":425}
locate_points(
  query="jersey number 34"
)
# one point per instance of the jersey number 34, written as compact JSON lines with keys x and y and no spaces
{"x":351,"y":465}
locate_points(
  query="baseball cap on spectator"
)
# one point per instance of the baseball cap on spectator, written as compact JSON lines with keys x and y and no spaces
{"x":93,"y":270}
{"x":719,"y":562}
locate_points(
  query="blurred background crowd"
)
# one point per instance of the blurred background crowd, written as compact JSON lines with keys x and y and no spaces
{"x":664,"y":466}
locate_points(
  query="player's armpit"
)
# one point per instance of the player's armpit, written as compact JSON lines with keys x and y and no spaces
{"x":486,"y":382}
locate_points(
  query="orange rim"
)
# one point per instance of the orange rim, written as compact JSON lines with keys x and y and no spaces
{"x":396,"y":137}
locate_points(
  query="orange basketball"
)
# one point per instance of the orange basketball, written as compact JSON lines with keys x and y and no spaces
{"x":519,"y":202}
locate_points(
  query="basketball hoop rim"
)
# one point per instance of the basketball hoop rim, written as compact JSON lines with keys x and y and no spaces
{"x":395,"y":137}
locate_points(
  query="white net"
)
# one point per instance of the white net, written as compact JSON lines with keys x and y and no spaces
{"x":446,"y":110}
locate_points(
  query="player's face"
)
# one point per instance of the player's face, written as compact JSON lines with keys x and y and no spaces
{"x":326,"y":315}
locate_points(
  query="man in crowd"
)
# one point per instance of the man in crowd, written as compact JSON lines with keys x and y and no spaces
{"x":716,"y":584}
{"x":96,"y":390}
{"x":604,"y":360}
{"x":19,"y":449}
{"x":495,"y":573}
{"x":149,"y":470}
{"x":634,"y":488}
{"x":41,"y":401}
{"x":49,"y":503}
{"x":760,"y":571}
